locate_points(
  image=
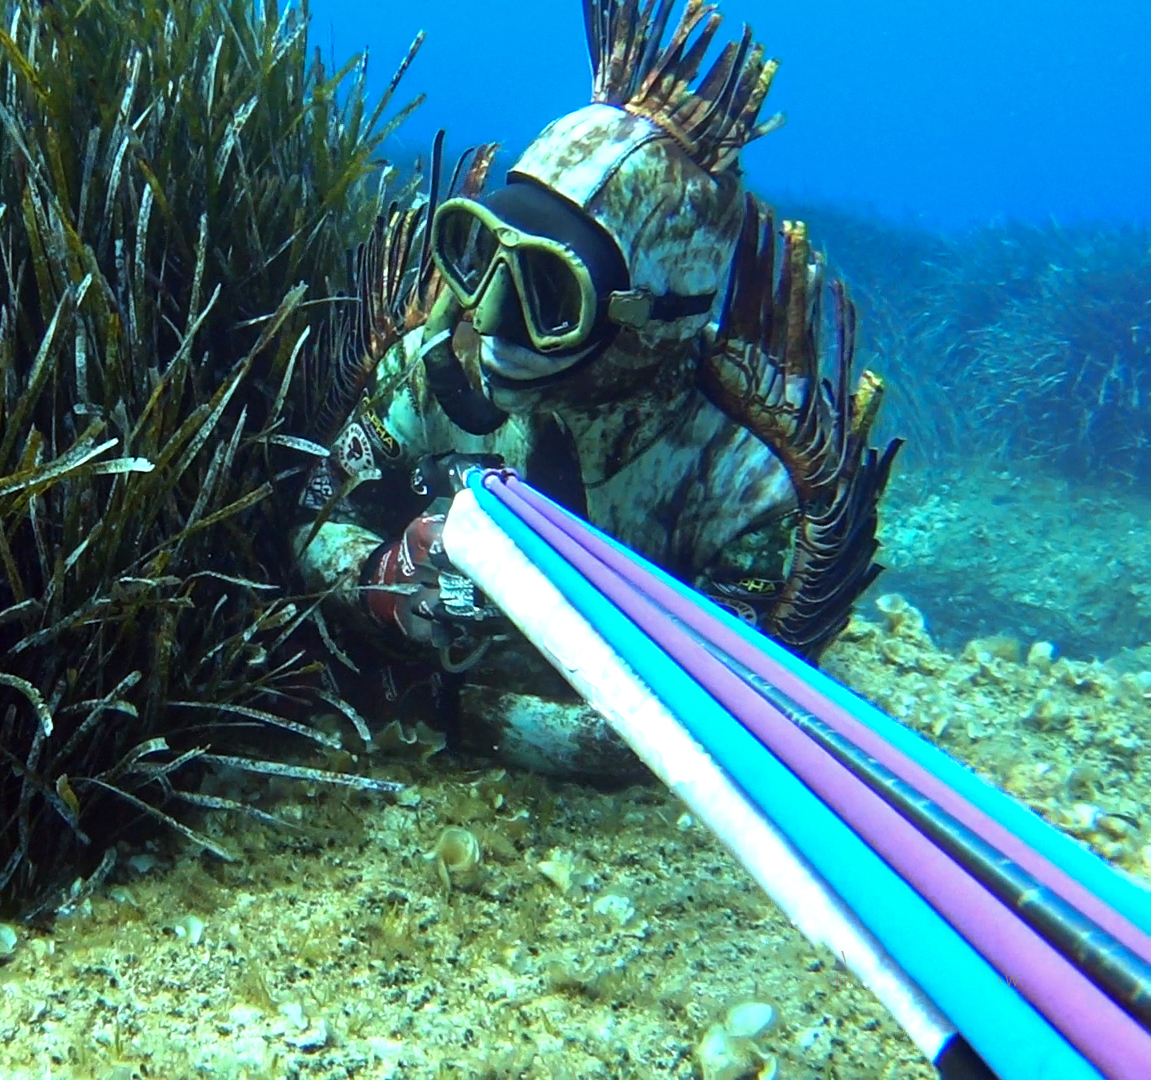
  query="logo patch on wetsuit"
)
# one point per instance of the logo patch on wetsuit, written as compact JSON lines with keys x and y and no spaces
{"x":748,"y":586}
{"x":352,"y":451}
{"x":385,"y":441}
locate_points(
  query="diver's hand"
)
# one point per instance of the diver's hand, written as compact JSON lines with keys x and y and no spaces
{"x":402,"y":581}
{"x":411,"y":584}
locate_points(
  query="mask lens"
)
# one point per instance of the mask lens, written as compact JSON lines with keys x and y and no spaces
{"x":466,"y":248}
{"x":552,"y":292}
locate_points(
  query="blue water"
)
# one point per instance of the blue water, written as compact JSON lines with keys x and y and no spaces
{"x":945,"y":114}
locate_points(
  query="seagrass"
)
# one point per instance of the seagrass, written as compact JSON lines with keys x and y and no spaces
{"x":179,"y":185}
{"x":1009,"y":342}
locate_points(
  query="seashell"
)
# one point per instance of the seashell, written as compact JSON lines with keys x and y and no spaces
{"x":900,"y":617}
{"x":749,"y":1020}
{"x":721,"y":1057}
{"x":191,"y":929}
{"x":558,"y":868}
{"x":457,"y":854}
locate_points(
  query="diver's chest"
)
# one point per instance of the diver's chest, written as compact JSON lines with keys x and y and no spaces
{"x":680,"y":502}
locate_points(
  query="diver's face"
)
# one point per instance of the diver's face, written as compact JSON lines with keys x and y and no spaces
{"x":504,"y":361}
{"x":519,"y":380}
{"x":506,"y":346}
{"x":536,"y":274}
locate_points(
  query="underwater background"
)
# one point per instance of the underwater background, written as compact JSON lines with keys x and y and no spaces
{"x":978,"y":174}
{"x":945,"y":115}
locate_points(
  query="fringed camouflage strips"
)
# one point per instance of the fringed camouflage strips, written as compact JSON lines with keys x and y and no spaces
{"x":170,"y":176}
{"x":395,"y":284}
{"x":385,"y":273}
{"x":765,"y":371}
{"x":635,"y":71}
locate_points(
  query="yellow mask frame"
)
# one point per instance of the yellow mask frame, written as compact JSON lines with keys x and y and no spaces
{"x":554,"y":286}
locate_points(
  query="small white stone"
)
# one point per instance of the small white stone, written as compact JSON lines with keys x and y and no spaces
{"x":1086,"y":816}
{"x":386,"y":1053}
{"x":243,"y":1015}
{"x":315,"y":1038}
{"x":619,"y":909}
{"x":749,"y":1020}
{"x":7,"y":940}
{"x":810,"y":1037}
{"x":558,"y":868}
{"x":293,"y":1011}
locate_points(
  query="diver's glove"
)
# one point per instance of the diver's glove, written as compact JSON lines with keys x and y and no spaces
{"x":411,"y":584}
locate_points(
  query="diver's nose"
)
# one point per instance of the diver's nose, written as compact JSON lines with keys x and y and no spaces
{"x":498,"y":312}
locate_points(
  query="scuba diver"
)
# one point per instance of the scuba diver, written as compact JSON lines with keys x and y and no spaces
{"x":619,"y":324}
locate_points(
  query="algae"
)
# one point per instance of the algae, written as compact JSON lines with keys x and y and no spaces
{"x":179,"y":184}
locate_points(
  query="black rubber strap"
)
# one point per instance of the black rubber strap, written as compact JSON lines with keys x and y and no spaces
{"x":672,"y":306}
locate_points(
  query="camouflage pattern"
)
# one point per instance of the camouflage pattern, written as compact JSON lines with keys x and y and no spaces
{"x":663,"y":470}
{"x":704,"y":432}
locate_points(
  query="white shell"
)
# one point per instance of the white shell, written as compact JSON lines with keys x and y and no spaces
{"x":558,"y":868}
{"x":750,"y":1020}
{"x":191,"y":928}
{"x":722,"y":1058}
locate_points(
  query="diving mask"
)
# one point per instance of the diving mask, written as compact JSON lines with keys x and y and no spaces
{"x":533,"y":270}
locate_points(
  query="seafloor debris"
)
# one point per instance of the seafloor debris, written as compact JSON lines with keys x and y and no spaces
{"x":331,"y":948}
{"x":341,"y":918}
{"x":731,"y":1050}
{"x":1068,"y":737}
{"x":457,"y":856}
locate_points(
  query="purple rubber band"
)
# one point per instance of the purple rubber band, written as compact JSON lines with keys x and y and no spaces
{"x":1103,"y":1032}
{"x":838,"y":718}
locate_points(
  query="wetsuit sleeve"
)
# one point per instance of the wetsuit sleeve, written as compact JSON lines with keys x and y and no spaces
{"x":364,"y":482}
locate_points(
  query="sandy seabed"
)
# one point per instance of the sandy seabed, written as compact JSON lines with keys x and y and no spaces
{"x":602,"y":932}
